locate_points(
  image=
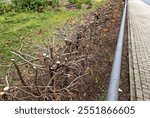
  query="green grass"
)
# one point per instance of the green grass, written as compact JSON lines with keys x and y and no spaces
{"x":15,"y":27}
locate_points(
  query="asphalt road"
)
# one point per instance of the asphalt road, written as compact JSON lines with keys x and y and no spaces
{"x":147,"y":1}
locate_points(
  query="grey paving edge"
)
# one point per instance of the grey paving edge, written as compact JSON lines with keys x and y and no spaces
{"x":131,"y":71}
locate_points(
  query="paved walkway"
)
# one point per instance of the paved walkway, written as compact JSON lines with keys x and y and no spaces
{"x":139,"y":49}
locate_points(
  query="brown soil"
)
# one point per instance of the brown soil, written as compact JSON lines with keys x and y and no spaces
{"x":124,"y":83}
{"x":106,"y":55}
{"x":95,"y":41}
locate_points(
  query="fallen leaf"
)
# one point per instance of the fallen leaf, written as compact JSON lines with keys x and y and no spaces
{"x":120,"y":90}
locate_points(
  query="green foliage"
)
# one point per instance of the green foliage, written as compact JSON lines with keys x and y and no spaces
{"x":22,"y":5}
{"x":72,"y":1}
{"x":55,"y":2}
{"x":5,"y":7}
{"x":80,"y":2}
{"x":26,"y":5}
{"x":87,"y":1}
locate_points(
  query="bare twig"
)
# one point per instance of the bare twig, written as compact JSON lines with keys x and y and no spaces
{"x":36,"y":84}
{"x":19,"y":72}
{"x":76,"y":80}
{"x":51,"y":80}
{"x":31,"y":64}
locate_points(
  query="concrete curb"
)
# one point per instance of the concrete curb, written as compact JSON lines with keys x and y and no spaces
{"x":131,"y":70}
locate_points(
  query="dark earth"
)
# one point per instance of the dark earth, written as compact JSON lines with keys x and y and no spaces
{"x":108,"y":49}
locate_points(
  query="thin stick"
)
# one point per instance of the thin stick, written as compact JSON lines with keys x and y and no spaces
{"x":76,"y":80}
{"x":19,"y":73}
{"x":20,"y":77}
{"x":51,"y":81}
{"x":31,"y":64}
{"x":36,"y":84}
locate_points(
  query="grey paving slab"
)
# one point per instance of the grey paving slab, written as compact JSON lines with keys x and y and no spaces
{"x":139,"y":49}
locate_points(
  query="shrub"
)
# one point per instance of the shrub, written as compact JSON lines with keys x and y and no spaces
{"x":5,"y":7}
{"x":29,"y":4}
{"x":26,"y":5}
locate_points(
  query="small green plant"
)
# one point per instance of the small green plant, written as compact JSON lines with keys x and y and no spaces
{"x":55,"y":2}
{"x":80,"y":1}
{"x":79,"y":4}
{"x":87,"y":1}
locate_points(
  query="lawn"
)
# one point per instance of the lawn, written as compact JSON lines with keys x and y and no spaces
{"x":15,"y":27}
